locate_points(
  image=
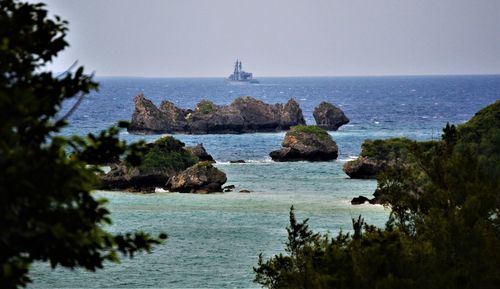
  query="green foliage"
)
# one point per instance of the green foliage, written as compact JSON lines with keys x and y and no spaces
{"x":205,"y":107}
{"x":47,"y":212}
{"x":444,"y":228}
{"x":310,"y":129}
{"x":386,"y":149}
{"x":167,"y":153}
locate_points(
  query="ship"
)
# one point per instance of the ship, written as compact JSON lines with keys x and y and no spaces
{"x":239,"y":76}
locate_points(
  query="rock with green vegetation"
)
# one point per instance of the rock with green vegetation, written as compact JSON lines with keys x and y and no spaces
{"x":306,"y":143}
{"x":245,"y":114}
{"x":201,"y":178}
{"x":329,"y":117}
{"x":376,"y":155}
{"x":163,"y":158}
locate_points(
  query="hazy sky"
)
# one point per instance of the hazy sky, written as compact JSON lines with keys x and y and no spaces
{"x":176,"y":38}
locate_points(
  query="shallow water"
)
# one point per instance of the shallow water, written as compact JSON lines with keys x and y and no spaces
{"x":214,"y":240}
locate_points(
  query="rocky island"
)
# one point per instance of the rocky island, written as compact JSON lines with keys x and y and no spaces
{"x":245,"y":114}
{"x":165,"y":163}
{"x":306,"y":143}
{"x":329,"y":117}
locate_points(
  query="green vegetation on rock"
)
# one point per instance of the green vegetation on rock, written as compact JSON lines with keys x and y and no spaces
{"x":167,"y":154}
{"x":310,"y":129}
{"x":205,"y":107}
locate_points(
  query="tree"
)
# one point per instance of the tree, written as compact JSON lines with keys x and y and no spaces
{"x":47,"y":211}
{"x":443,"y":231}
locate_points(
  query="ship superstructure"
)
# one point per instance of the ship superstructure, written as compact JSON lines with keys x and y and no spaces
{"x":241,"y":76}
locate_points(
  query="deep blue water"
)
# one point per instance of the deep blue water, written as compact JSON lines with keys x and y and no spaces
{"x":214,"y":240}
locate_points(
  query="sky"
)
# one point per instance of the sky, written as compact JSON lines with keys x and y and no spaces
{"x":202,"y":38}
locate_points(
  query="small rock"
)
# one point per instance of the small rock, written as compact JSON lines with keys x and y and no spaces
{"x":306,"y":143}
{"x":237,"y":162}
{"x":329,"y":117}
{"x":202,"y":178}
{"x":359,"y":200}
{"x":244,"y":191}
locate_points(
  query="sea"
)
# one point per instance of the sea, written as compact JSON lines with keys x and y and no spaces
{"x":215,"y":240}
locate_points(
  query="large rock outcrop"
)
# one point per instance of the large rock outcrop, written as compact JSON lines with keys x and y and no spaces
{"x":329,"y":117}
{"x":306,"y":143}
{"x":244,"y":114}
{"x":202,"y":178}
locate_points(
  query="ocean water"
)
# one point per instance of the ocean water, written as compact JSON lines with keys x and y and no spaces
{"x":214,"y":240}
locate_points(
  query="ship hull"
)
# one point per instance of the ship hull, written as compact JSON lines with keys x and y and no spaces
{"x":242,"y":82}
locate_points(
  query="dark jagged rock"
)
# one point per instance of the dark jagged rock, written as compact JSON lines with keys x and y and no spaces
{"x":244,"y":114}
{"x":201,"y":153}
{"x":163,"y":158}
{"x":147,"y":118}
{"x":329,"y":117}
{"x":359,"y":200}
{"x":124,"y":178}
{"x":237,"y":162}
{"x":306,"y":143}
{"x":202,"y":178}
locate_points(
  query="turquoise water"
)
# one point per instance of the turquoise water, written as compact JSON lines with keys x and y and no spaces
{"x":214,"y":240}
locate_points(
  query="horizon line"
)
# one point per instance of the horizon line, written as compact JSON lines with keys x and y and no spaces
{"x":309,"y":76}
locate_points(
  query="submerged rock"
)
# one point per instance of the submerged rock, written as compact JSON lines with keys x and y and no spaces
{"x":237,"y":162}
{"x":306,"y":143}
{"x":329,"y":117}
{"x":244,"y":114}
{"x":201,"y":178}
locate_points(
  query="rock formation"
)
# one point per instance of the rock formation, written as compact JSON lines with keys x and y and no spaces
{"x":202,"y":178}
{"x":308,"y":143}
{"x":376,"y":156}
{"x":163,"y":158}
{"x":244,"y":114}
{"x":200,"y":152}
{"x":363,"y":168}
{"x":329,"y":117}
